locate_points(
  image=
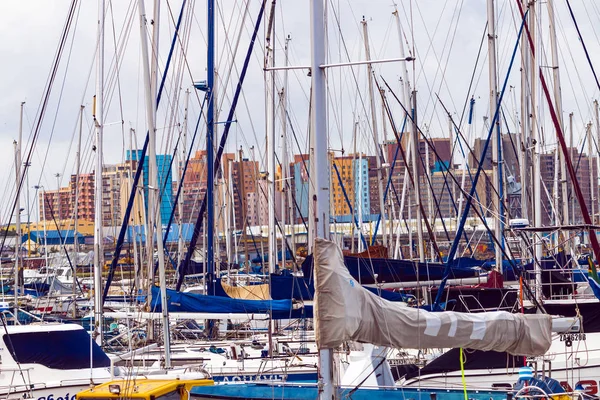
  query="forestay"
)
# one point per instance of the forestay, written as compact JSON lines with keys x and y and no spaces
{"x":347,"y":312}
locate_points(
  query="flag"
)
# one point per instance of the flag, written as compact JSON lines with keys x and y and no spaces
{"x":593,"y":278}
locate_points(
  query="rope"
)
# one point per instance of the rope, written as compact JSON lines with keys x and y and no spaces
{"x":462,"y":374}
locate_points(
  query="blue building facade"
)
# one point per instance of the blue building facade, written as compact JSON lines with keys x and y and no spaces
{"x":360,"y":169}
{"x":301,"y":186}
{"x":165,"y":181}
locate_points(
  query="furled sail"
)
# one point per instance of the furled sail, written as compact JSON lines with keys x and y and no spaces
{"x":347,"y":312}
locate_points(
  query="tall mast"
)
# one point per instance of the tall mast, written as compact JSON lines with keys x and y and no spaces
{"x":75,"y":210}
{"x":99,"y":127}
{"x":270,"y":129}
{"x":181,"y":182}
{"x":210,"y":148}
{"x":594,"y":184}
{"x":375,"y":132}
{"x":284,"y":159}
{"x":136,"y":260}
{"x":525,"y":125}
{"x":18,"y":164}
{"x":244,"y":204}
{"x":154,"y":191}
{"x":416,"y":176}
{"x":413,"y":150}
{"x":497,"y":138}
{"x":591,"y":170}
{"x":537,"y":183}
{"x":319,"y":166}
{"x":559,"y":111}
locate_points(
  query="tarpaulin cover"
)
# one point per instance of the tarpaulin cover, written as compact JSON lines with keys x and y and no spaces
{"x":63,"y":349}
{"x":345,"y":311}
{"x":191,"y":302}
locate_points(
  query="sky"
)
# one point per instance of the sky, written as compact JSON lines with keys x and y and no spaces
{"x":445,"y":37}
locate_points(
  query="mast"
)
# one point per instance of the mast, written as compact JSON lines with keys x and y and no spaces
{"x":18,"y":164}
{"x":537,"y":183}
{"x":413,"y":151}
{"x":76,"y":214}
{"x":154,"y":192}
{"x":559,"y":112}
{"x":210,"y":158}
{"x":99,"y":127}
{"x":594,"y":184}
{"x":284,"y":159}
{"x":181,"y":182}
{"x":591,"y":170}
{"x":417,"y":180}
{"x":244,"y":205}
{"x":570,"y":150}
{"x":525,"y":126}
{"x":497,"y":137}
{"x":136,"y":260}
{"x":270,"y":129}
{"x":375,"y":132}
{"x":319,"y":166}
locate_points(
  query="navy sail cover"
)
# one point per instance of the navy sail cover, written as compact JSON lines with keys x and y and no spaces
{"x":191,"y":302}
{"x":64,"y":349}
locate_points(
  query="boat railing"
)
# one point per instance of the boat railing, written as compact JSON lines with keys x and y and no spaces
{"x":468,"y":300}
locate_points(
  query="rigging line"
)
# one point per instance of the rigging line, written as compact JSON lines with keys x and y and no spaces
{"x":410,"y":172}
{"x":117,"y":69}
{"x":43,"y":105}
{"x":477,"y":174}
{"x":469,"y":95}
{"x":439,"y":60}
{"x":355,"y":220}
{"x":352,"y":69}
{"x":390,"y":175}
{"x":183,"y":173}
{"x":587,"y":55}
{"x":51,"y":209}
{"x":138,"y":173}
{"x":217,"y":161}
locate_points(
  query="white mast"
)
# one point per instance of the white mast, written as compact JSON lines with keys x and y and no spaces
{"x":284,"y":159}
{"x":270,"y":129}
{"x":181,"y":182}
{"x":537,"y":184}
{"x":525,"y":125}
{"x":375,"y":132}
{"x":136,"y":259}
{"x":319,"y":166}
{"x":99,"y":124}
{"x":75,"y":213}
{"x":594,"y":184}
{"x":413,"y":151}
{"x":18,"y":164}
{"x":559,"y":112}
{"x":496,"y":137}
{"x":591,"y":170}
{"x":154,"y":191}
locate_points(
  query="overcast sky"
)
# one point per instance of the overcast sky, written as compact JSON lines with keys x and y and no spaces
{"x":446,"y":34}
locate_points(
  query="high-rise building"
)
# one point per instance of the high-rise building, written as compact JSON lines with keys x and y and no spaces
{"x":301,"y":181}
{"x":165,"y":181}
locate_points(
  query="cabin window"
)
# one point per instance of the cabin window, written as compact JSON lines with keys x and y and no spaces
{"x":69,"y":349}
{"x":174,"y":395}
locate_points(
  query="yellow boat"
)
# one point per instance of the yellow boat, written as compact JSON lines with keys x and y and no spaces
{"x":141,"y":388}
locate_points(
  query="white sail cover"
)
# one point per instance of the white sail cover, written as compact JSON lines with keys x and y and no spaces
{"x":345,"y":311}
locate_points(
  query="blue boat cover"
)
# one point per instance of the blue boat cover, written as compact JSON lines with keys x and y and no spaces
{"x":192,"y":302}
{"x":65,"y":349}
